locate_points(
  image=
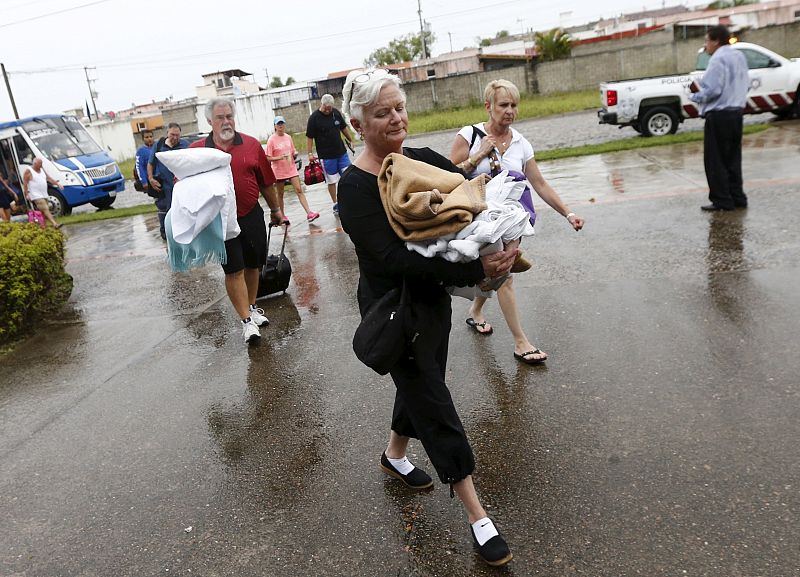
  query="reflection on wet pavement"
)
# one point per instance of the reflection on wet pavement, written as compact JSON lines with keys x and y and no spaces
{"x":138,"y":436}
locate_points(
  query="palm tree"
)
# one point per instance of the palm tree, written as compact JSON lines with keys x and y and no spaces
{"x":553,"y":45}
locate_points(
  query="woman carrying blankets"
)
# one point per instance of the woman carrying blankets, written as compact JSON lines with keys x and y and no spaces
{"x":423,"y":407}
{"x":488,"y":148}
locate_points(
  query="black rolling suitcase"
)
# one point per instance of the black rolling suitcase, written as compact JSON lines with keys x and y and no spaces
{"x":276,"y":273}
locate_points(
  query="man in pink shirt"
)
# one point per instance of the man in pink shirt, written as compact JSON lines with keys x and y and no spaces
{"x":281,"y":153}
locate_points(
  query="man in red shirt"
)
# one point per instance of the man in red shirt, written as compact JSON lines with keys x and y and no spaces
{"x":252,"y":176}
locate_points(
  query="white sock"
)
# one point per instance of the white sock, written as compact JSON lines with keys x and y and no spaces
{"x":403,"y":466}
{"x":484,"y":530}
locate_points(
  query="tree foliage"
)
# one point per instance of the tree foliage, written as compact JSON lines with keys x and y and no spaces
{"x":488,"y":41}
{"x":553,"y":44}
{"x":729,"y":4}
{"x":401,"y":49}
{"x":277,"y":82}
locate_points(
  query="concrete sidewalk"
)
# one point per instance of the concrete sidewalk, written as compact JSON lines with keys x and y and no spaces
{"x":138,"y":436}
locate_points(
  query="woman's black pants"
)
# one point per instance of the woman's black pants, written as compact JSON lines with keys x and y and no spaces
{"x":423,"y":407}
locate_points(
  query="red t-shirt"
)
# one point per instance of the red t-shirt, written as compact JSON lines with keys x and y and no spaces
{"x":250,"y":168}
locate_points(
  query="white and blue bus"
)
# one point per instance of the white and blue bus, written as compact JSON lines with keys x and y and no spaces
{"x":69,"y":156}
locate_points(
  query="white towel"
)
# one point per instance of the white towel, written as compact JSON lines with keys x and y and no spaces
{"x":505,"y":219}
{"x":205,"y":190}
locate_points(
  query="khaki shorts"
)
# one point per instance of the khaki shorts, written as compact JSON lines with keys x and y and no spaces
{"x":41,"y":204}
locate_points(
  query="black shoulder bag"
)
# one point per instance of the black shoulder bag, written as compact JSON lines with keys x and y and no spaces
{"x":494,"y":162}
{"x":381,"y":338}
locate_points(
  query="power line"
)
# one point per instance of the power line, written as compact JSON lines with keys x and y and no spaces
{"x":54,"y":13}
{"x":134,"y":63}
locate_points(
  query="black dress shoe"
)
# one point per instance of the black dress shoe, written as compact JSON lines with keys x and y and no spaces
{"x":714,"y":208}
{"x":495,"y":551}
{"x":417,"y":479}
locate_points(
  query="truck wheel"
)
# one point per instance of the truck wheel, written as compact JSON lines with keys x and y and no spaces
{"x":659,"y":121}
{"x":103,"y":203}
{"x":57,"y":204}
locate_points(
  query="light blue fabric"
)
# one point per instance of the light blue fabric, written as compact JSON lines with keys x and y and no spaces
{"x":725,"y":83}
{"x":207,"y":247}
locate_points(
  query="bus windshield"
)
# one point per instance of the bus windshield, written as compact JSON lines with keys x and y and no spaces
{"x":59,"y":138}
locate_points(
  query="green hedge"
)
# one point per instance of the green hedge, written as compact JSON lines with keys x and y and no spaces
{"x":32,"y":275}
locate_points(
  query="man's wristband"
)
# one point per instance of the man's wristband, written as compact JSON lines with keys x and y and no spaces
{"x":274,"y":210}
{"x":569,"y":214}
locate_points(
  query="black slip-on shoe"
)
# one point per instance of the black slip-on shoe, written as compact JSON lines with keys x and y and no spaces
{"x":714,"y":208}
{"x":417,"y":479}
{"x":495,"y":551}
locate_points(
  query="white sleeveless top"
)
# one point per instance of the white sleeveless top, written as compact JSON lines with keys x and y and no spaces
{"x":37,"y":185}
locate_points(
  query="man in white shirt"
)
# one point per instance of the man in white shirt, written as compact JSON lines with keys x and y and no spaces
{"x":34,"y":186}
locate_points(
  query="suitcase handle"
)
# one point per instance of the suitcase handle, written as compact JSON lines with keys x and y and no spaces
{"x":269,"y":233}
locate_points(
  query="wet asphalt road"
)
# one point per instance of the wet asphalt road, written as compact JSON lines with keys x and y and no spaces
{"x":138,"y":436}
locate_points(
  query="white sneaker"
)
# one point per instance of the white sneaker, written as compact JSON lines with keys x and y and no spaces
{"x":257,"y":316}
{"x":250,"y":333}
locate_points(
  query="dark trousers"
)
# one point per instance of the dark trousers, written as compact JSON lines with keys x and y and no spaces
{"x":163,"y":204}
{"x":723,"y":158}
{"x":423,"y":407}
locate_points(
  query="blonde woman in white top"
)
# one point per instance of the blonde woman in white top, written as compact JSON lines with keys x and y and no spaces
{"x":34,"y":186}
{"x":494,"y":146}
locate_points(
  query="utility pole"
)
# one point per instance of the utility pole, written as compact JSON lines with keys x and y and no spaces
{"x":422,"y":30}
{"x":10,"y":94}
{"x":267,"y":73}
{"x":450,"y":35}
{"x":92,"y":93}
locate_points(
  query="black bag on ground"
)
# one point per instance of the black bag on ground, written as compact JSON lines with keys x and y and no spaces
{"x":276,"y":273}
{"x":381,"y":338}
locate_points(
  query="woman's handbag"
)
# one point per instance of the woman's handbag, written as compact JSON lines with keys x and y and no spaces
{"x":381,"y":338}
{"x":313,"y":173}
{"x":36,"y":217}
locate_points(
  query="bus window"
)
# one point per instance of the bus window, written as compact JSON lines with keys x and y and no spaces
{"x":58,"y":138}
{"x":24,"y":152}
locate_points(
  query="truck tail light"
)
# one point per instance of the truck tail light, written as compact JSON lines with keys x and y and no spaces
{"x":611,"y":98}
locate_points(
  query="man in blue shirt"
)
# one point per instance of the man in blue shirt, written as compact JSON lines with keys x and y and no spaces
{"x":722,"y":94}
{"x":160,"y":178}
{"x":142,"y":157}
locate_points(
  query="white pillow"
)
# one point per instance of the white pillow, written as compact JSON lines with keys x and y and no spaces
{"x":190,"y":161}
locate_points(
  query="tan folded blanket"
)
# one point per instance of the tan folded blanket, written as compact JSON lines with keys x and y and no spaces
{"x":418,"y":212}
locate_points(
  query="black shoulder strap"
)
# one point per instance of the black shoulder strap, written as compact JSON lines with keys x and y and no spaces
{"x":160,"y":143}
{"x":475,"y":133}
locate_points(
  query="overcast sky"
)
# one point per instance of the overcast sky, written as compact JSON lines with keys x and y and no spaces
{"x":152,"y":49}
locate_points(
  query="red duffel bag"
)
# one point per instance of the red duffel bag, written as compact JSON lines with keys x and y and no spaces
{"x":313,"y":173}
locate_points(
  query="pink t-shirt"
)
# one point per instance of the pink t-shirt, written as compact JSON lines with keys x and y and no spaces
{"x":278,"y":146}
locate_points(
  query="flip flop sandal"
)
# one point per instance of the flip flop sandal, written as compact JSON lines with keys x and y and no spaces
{"x":471,"y":322}
{"x":530,"y":361}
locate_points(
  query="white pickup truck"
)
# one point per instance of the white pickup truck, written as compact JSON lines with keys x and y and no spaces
{"x":656,"y":106}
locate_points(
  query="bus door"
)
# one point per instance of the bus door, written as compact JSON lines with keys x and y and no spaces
{"x":9,"y":170}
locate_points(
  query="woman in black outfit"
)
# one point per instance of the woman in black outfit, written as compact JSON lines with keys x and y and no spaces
{"x":423,"y":407}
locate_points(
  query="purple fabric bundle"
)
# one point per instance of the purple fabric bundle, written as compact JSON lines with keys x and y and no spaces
{"x":526,"y":200}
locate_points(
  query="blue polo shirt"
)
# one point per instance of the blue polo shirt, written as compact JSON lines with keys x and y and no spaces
{"x":159,"y":170}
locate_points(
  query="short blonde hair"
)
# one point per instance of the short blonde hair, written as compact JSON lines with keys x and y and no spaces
{"x":495,"y":85}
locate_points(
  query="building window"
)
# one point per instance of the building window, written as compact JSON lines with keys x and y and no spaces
{"x":141,"y":126}
{"x":431,"y":73}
